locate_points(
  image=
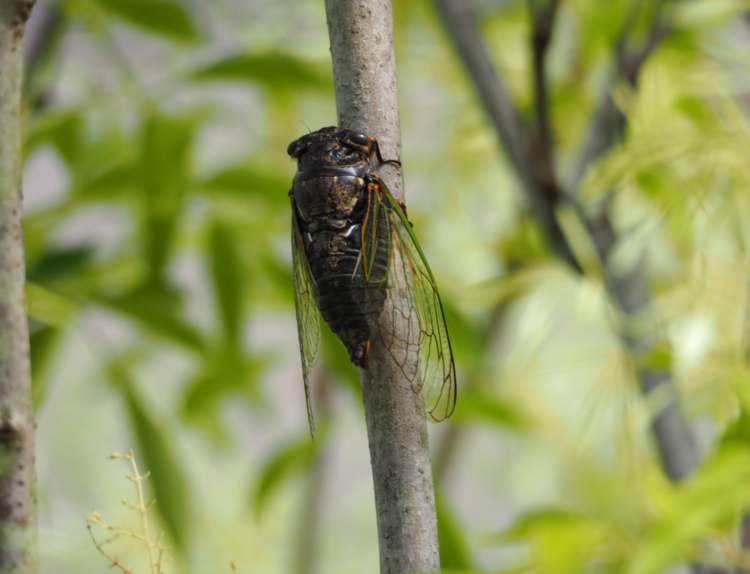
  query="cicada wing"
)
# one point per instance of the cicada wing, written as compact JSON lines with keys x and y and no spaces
{"x":374,"y":262}
{"x":308,"y":316}
{"x":412,"y":324}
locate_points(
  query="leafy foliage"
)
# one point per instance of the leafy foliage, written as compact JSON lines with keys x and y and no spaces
{"x":160,"y":286}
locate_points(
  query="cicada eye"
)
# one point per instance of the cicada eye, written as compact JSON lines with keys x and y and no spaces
{"x":358,"y":138}
{"x":292,"y":148}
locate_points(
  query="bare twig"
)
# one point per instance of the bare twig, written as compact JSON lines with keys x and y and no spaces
{"x":541,"y":192}
{"x":364,"y":72}
{"x":544,"y":24}
{"x":113,"y":559}
{"x":152,"y":547}
{"x":17,"y":480}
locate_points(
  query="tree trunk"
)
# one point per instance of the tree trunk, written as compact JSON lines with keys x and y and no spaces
{"x":17,"y":482}
{"x":361,"y":35}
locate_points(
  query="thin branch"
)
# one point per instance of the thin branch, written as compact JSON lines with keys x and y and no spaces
{"x":115,"y":562}
{"x":364,"y":71}
{"x":542,"y":192}
{"x":17,"y":478}
{"x":541,"y":38}
{"x":155,"y":564}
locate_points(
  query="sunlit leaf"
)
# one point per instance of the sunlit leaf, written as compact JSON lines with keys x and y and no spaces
{"x":479,"y":406}
{"x":161,"y":17}
{"x":273,"y":70}
{"x":563,"y":542}
{"x":454,"y":548}
{"x":245,"y":180}
{"x":226,"y":270}
{"x":225,"y":373}
{"x":44,"y":343}
{"x":157,"y":447}
{"x":59,"y":262}
{"x":164,"y":172}
{"x":61,"y":129}
{"x":286,"y":462}
{"x":48,"y":307}
{"x":707,"y":501}
{"x":156,"y":309}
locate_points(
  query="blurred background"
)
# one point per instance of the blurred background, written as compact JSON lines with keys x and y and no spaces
{"x":160,"y":289}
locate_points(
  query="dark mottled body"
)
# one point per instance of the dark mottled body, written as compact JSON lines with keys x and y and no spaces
{"x":332,"y":198}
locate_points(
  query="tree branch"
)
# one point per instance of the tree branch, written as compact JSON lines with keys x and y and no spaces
{"x":361,"y":35}
{"x":544,"y":25}
{"x":542,"y":193}
{"x":630,"y":292}
{"x":17,"y":482}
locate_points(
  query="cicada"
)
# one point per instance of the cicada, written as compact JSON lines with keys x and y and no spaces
{"x":358,"y":263}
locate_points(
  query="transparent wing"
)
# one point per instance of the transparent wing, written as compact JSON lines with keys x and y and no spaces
{"x":308,"y":317}
{"x":412,"y":324}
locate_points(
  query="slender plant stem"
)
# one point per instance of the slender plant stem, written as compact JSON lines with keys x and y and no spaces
{"x":361,"y":35}
{"x":544,"y":24}
{"x":138,"y":479}
{"x":17,"y":480}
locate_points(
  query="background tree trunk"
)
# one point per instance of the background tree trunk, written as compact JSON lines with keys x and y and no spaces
{"x":364,"y":69}
{"x":17,"y":484}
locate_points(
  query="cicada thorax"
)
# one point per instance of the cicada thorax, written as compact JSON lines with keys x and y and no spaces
{"x":333,"y":205}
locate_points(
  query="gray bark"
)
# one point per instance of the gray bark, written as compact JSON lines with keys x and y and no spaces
{"x":17,"y":481}
{"x":361,"y":35}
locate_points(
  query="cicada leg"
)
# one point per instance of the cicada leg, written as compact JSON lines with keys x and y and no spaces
{"x":402,"y":205}
{"x":360,"y":355}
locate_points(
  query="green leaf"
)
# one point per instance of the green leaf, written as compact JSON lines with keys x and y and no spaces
{"x":563,"y":542}
{"x":114,"y":180}
{"x":159,"y":235}
{"x":524,"y":244}
{"x":164,"y":173}
{"x":160,"y":17}
{"x":44,"y":345}
{"x":166,"y":145}
{"x":478,"y":406}
{"x":226,"y":271}
{"x":454,"y":548}
{"x":703,"y":504}
{"x":658,"y":357}
{"x":337,"y":362}
{"x":227,"y":373}
{"x":62,"y":129}
{"x":289,"y":461}
{"x":157,"y":310}
{"x":468,"y":349}
{"x":168,"y":481}
{"x":59,"y":262}
{"x":276,"y":71}
{"x":48,"y":307}
{"x":737,"y":432}
{"x":245,"y":179}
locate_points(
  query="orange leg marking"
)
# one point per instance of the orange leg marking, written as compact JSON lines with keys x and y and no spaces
{"x":365,"y":362}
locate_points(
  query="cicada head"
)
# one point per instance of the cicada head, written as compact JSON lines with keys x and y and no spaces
{"x":335,"y":147}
